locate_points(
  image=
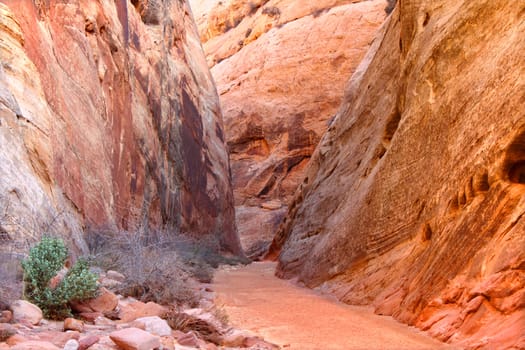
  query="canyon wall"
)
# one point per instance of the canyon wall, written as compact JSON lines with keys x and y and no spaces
{"x":414,"y":200}
{"x":109,"y":118}
{"x":280,"y":69}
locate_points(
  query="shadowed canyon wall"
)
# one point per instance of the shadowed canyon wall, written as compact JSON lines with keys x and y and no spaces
{"x":280,"y":69}
{"x":414,"y":200}
{"x":109,"y":117}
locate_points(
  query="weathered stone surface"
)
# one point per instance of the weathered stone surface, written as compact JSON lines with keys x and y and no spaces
{"x":25,"y":311}
{"x":414,"y":198}
{"x":108,"y":119}
{"x":135,"y":339}
{"x":280,"y":69}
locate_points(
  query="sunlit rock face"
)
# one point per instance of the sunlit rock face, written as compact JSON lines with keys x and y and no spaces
{"x":280,"y":69}
{"x":109,"y":119}
{"x":413,"y":201}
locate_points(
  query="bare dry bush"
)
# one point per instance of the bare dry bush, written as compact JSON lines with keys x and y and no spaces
{"x":155,"y":269}
{"x":186,"y":323}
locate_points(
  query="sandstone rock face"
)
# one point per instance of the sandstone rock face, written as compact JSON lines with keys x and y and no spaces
{"x":109,"y":118}
{"x":414,"y":199}
{"x":280,"y":69}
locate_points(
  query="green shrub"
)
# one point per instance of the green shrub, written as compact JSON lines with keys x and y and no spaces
{"x":45,"y":260}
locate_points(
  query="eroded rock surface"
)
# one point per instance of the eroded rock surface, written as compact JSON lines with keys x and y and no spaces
{"x":414,"y":199}
{"x":109,"y":118}
{"x":280,"y":69}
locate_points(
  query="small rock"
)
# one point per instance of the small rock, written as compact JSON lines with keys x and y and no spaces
{"x":71,"y":324}
{"x":103,"y":321}
{"x":88,"y":341}
{"x":34,"y":345}
{"x":155,"y":325}
{"x":6,"y":316}
{"x":6,"y":331}
{"x":25,"y":311}
{"x":135,"y":339}
{"x":188,"y":339}
{"x":114,"y":275}
{"x":71,"y":344}
{"x":90,"y":316}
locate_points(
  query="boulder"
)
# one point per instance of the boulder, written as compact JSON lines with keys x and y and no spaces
{"x":155,"y":325}
{"x":25,"y":311}
{"x":135,"y":339}
{"x":105,"y":301}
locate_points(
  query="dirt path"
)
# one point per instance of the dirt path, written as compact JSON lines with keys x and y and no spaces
{"x":298,"y":318}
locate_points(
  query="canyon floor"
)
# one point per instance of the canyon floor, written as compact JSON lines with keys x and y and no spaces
{"x":298,"y":318}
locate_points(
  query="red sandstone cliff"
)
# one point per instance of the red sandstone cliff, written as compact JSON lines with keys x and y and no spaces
{"x":108,"y":117}
{"x":414,"y":199}
{"x":280,"y":69}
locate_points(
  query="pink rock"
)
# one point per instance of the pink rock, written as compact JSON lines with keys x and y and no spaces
{"x":86,"y":342}
{"x":25,"y":311}
{"x":188,"y":339}
{"x":135,"y":339}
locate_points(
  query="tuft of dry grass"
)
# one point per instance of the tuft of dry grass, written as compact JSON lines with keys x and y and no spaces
{"x":186,"y":323}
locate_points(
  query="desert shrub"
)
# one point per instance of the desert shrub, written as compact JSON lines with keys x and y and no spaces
{"x":160,"y":265}
{"x":11,"y":275}
{"x":271,"y":11}
{"x":149,"y":260}
{"x":45,"y":261}
{"x":186,"y":323}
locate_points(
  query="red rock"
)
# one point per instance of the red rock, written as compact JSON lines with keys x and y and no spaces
{"x":85,"y":342}
{"x":420,"y":175}
{"x":71,"y":324}
{"x":135,"y":339}
{"x":129,"y":311}
{"x":97,"y":112}
{"x":106,"y":301}
{"x":277,"y":90}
